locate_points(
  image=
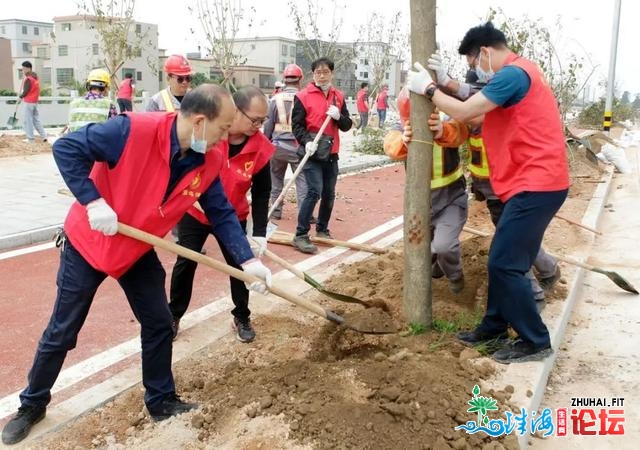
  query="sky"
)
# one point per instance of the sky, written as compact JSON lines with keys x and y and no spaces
{"x":586,"y":25}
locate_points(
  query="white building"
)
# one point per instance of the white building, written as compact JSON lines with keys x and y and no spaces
{"x":76,"y":50}
{"x":276,"y":52}
{"x":26,"y":38}
{"x":375,"y":56}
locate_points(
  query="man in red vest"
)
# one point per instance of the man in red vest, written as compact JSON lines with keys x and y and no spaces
{"x":529,"y":173}
{"x":362,"y":105}
{"x":382,"y":104}
{"x":125,"y":93}
{"x":30,"y":94}
{"x":144,"y":170}
{"x":245,"y":168}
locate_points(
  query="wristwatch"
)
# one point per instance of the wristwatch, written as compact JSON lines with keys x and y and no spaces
{"x":431,"y":89}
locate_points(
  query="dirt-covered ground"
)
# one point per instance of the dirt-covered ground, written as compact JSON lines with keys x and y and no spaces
{"x":305,"y":383}
{"x":15,"y":145}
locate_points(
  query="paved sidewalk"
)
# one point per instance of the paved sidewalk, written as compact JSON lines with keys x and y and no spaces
{"x":34,"y":199}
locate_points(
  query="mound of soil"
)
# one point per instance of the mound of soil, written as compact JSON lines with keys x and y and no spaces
{"x":307,"y":383}
{"x":12,"y":145}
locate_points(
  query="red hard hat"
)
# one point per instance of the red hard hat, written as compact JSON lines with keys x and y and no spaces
{"x":402,"y":102}
{"x":178,"y":65}
{"x":292,"y":71}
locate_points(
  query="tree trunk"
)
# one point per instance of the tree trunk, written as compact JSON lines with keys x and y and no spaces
{"x":417,"y":198}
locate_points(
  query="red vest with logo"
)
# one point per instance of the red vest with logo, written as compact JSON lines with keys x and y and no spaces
{"x":525,"y":142}
{"x":34,"y":92}
{"x":381,"y":102}
{"x":237,"y":172}
{"x":135,"y":189}
{"x":361,"y":97}
{"x":316,"y":104}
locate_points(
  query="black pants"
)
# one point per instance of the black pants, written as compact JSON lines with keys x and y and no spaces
{"x":193,"y":234}
{"x":125,"y":105}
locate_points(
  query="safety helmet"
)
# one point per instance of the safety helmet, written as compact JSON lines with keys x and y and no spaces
{"x":178,"y":65}
{"x":292,"y":71}
{"x":402,"y":102}
{"x":98,"y":78}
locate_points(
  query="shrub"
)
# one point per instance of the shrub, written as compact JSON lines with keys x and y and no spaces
{"x":370,"y":142}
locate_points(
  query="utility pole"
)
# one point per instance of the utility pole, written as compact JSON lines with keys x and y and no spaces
{"x":417,"y":194}
{"x":611,"y":79}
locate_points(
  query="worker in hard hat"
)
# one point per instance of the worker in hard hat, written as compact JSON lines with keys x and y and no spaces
{"x":277,"y":87}
{"x":449,"y":206}
{"x":95,"y":106}
{"x":179,"y":72}
{"x":278,"y":130}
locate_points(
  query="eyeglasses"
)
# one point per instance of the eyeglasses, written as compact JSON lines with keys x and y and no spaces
{"x":256,"y":122}
{"x":180,"y":79}
{"x":320,"y":73}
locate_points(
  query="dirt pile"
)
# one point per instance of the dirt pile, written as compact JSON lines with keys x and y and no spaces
{"x":12,"y":145}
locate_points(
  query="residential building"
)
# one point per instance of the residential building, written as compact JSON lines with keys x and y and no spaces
{"x":274,"y":52}
{"x":341,"y":54}
{"x":6,"y":70}
{"x":77,"y":49}
{"x":23,"y":36}
{"x":375,"y":58}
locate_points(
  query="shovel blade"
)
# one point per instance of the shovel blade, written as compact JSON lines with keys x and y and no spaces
{"x":12,"y":122}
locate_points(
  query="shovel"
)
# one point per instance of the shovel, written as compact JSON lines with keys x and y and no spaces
{"x":317,"y":285}
{"x":301,"y":164}
{"x":282,"y":237}
{"x":613,"y":276}
{"x":12,"y":121}
{"x":153,"y":240}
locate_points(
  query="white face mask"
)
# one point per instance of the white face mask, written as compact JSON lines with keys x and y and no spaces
{"x":484,"y":77}
{"x":199,"y":146}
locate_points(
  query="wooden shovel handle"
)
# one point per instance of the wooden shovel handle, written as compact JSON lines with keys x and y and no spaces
{"x":225,"y":268}
{"x":578,"y":224}
{"x":281,"y":237}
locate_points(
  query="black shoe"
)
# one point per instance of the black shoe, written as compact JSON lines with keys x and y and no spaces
{"x":324,"y":234}
{"x":175,"y":326}
{"x":456,"y":286}
{"x":520,"y":351}
{"x":18,"y":428}
{"x":475,"y":337}
{"x":244,"y":330}
{"x":313,"y":220}
{"x":304,"y":244}
{"x":276,"y":216}
{"x":548,"y":282}
{"x":170,"y":406}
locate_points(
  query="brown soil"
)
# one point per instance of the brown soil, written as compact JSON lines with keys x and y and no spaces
{"x":306,"y":383}
{"x":14,"y":145}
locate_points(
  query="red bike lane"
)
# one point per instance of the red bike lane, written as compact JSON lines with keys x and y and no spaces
{"x":363,"y":202}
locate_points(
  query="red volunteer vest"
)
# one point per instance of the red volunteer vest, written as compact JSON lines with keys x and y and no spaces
{"x":525,"y":142}
{"x":126,"y":90}
{"x":135,"y":188}
{"x":316,"y":105}
{"x":381,"y":102}
{"x":34,"y":92}
{"x":237,"y":172}
{"x":360,"y":104}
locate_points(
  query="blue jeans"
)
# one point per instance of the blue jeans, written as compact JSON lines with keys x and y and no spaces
{"x":77,"y":283}
{"x":514,"y":247}
{"x":321,"y":185}
{"x":382,"y":116}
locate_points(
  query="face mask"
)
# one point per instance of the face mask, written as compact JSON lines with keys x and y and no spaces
{"x":324,"y":87}
{"x":484,"y":77}
{"x":199,"y":146}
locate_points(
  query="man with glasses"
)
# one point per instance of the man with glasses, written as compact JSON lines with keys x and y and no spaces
{"x":246,"y":154}
{"x":178,"y":71}
{"x":310,"y":107}
{"x":529,"y":173}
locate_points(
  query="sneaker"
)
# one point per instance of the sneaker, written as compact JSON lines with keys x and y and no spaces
{"x":19,"y":426}
{"x":170,"y":406}
{"x":244,"y":330}
{"x":276,"y":216}
{"x":475,"y":337}
{"x":521,"y":351}
{"x":30,"y":141}
{"x":548,"y":282}
{"x":324,"y":234}
{"x":304,"y":244}
{"x":313,"y":220}
{"x":436,"y":271}
{"x":457,"y":286}
{"x":175,"y":326}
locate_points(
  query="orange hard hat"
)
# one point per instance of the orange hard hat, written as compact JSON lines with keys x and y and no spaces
{"x":292,"y":71}
{"x":178,"y":65}
{"x":403,"y":105}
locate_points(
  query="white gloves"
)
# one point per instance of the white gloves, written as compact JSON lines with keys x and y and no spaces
{"x":435,"y":63}
{"x":333,"y":112}
{"x":102,"y":218}
{"x":258,"y":245}
{"x":310,"y":148}
{"x":418,"y":80}
{"x":257,"y":269}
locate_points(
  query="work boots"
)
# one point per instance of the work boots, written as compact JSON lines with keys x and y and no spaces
{"x":304,"y":244}
{"x":19,"y":426}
